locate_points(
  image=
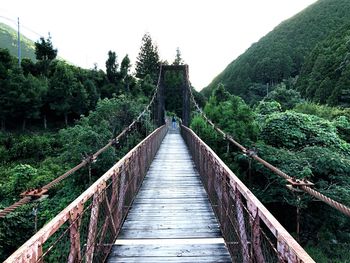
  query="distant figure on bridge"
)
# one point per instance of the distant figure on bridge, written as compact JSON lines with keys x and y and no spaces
{"x":174,"y":122}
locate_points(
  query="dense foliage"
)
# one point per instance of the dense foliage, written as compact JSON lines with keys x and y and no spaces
{"x":32,"y":155}
{"x":32,"y":160}
{"x":51,"y":91}
{"x":281,"y":53}
{"x":308,"y":141}
{"x":325,"y":76}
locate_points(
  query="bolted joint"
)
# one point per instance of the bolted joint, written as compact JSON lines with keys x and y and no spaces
{"x":251,"y":152}
{"x":34,"y":193}
{"x":299,"y":182}
{"x":89,"y":159}
{"x":115,"y":143}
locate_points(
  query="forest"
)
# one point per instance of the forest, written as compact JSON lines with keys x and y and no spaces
{"x":284,"y":53}
{"x":53,"y":115}
{"x":287,"y":98}
{"x":303,"y":139}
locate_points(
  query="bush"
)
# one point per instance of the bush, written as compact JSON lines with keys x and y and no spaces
{"x":322,"y":111}
{"x":33,"y":147}
{"x":295,"y":131}
{"x":232,"y":115}
{"x":342,"y":124}
{"x":204,"y":131}
{"x":268,"y":107}
{"x":288,"y":98}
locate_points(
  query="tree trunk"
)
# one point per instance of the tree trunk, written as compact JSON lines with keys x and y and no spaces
{"x":24,"y":124}
{"x":45,"y":122}
{"x":2,"y":124}
{"x":66,"y":119}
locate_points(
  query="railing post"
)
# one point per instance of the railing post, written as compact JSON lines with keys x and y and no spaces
{"x":256,"y":239}
{"x":91,"y":240}
{"x":225,"y":203}
{"x":74,"y":233}
{"x":241,"y":227}
{"x":115,"y":193}
{"x":121,"y":197}
{"x":241,"y":213}
{"x":256,"y":232}
{"x":285,"y":254}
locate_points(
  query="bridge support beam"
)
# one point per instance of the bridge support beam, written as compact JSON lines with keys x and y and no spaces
{"x":186,"y":106}
{"x":185,"y":86}
{"x":160,"y":105}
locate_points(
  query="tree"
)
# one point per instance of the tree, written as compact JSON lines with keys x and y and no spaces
{"x":6,"y":64}
{"x":178,"y":60}
{"x":32,"y":93}
{"x":14,"y":96}
{"x":268,"y":107}
{"x":28,"y":66}
{"x":79,"y":101}
{"x":146,"y":86}
{"x":148,"y":59}
{"x":44,"y":53}
{"x":125,"y":67}
{"x":288,"y":98}
{"x":112,"y":67}
{"x":44,"y":49}
{"x":60,"y":90}
{"x":232,"y":114}
{"x":125,"y":77}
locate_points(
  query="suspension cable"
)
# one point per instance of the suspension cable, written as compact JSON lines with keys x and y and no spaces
{"x":34,"y":194}
{"x":303,"y":185}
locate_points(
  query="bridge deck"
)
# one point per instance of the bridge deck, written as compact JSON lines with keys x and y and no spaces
{"x":171,"y":219}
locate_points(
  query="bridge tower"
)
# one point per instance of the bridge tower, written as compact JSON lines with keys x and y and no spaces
{"x":185,"y":86}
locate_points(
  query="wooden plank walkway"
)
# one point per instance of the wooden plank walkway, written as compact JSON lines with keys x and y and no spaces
{"x":171,"y":219}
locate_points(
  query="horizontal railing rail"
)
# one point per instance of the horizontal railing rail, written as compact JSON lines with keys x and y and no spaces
{"x":251,"y":232}
{"x":87,"y":228}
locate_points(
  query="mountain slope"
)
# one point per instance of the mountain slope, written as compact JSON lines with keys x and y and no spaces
{"x":281,"y":53}
{"x":8,"y":39}
{"x":325,"y":76}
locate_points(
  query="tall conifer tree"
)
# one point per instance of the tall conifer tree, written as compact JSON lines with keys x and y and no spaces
{"x":148,"y":59}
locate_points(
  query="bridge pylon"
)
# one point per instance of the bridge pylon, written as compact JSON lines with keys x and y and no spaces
{"x":160,"y":101}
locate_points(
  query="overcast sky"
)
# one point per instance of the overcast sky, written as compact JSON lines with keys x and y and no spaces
{"x":209,"y":33}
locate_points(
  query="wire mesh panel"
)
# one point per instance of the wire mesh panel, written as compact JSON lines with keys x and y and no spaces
{"x":251,"y":233}
{"x":86,"y":230}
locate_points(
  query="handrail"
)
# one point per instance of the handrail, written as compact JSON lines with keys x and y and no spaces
{"x":301,"y":184}
{"x":33,"y":194}
{"x":113,"y":191}
{"x":235,"y":205}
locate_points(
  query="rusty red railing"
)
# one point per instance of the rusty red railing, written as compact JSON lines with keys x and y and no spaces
{"x":251,"y":232}
{"x":86,"y":230}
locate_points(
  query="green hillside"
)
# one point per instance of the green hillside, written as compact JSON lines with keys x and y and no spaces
{"x":325,"y":76}
{"x":281,"y":53}
{"x":8,"y":39}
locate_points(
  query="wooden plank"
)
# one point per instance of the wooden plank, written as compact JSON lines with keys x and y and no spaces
{"x":171,"y":205}
{"x":193,"y":250}
{"x":169,"y":217}
{"x":182,"y":206}
{"x":170,"y":201}
{"x":170,"y":233}
{"x":219,"y":259}
{"x":170,"y":224}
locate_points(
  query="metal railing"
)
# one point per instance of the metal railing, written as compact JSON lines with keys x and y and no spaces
{"x":86,"y":230}
{"x":251,"y":232}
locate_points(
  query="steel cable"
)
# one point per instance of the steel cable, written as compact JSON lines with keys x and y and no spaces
{"x":340,"y":207}
{"x":87,"y":160}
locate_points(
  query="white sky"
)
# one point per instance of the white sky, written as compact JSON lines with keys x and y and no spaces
{"x":209,"y":33}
